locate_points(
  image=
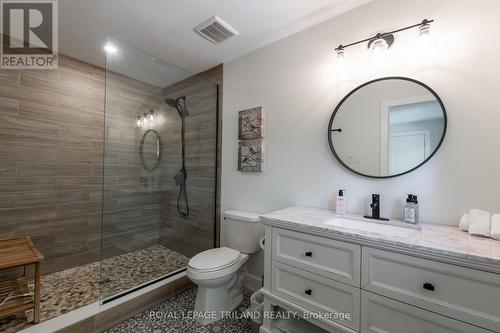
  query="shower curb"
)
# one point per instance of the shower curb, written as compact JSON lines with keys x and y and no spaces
{"x":95,"y":318}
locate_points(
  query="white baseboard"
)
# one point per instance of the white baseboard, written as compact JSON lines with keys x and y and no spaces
{"x":253,"y":282}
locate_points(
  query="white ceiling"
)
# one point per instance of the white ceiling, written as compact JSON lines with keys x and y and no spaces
{"x":164,"y":28}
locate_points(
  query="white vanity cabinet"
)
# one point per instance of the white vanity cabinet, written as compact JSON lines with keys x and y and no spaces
{"x":383,"y":289}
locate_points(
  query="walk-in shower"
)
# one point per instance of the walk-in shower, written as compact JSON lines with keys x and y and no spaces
{"x":149,"y":229}
{"x":99,"y":185}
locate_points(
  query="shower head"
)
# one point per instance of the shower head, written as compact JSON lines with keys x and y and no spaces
{"x":172,"y":102}
{"x":175,"y":103}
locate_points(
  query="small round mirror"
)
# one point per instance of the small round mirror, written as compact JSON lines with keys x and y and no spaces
{"x":150,"y":150}
{"x":387,"y":127}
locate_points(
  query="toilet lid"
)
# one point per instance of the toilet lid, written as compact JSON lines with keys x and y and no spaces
{"x":214,"y":259}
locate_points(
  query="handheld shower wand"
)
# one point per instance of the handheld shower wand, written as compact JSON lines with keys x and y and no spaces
{"x":181,"y":177}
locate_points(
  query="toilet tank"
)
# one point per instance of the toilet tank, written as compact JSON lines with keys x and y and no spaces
{"x":243,"y":230}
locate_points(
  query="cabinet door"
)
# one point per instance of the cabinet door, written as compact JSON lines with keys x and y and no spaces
{"x":383,"y":315}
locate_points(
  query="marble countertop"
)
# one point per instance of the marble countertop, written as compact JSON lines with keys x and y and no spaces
{"x":443,"y":241}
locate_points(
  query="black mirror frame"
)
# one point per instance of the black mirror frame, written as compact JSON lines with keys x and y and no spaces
{"x":141,"y":150}
{"x":330,"y":123}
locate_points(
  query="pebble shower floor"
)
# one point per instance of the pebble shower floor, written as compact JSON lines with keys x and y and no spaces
{"x":70,"y":289}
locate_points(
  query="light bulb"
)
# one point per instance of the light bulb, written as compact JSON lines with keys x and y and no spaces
{"x":423,"y":46}
{"x":340,"y":54}
{"x":424,"y":32}
{"x":151,"y":116}
{"x":379,"y":46}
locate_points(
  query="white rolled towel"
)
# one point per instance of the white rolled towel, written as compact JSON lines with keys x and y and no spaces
{"x":479,"y":223}
{"x":495,"y":226}
{"x":464,"y":222}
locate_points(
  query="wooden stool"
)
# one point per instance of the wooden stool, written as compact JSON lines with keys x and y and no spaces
{"x":19,"y":252}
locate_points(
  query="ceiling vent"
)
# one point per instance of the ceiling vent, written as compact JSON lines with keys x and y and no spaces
{"x":216,"y":30}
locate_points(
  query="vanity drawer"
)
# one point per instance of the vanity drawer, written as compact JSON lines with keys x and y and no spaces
{"x":466,"y":294}
{"x":327,"y":257}
{"x":381,"y":314}
{"x":317,"y":293}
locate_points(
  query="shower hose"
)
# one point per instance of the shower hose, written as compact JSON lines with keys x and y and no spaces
{"x":180,"y":179}
{"x":182,"y":200}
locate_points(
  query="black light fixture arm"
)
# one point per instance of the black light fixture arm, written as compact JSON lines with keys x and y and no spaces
{"x":381,"y":35}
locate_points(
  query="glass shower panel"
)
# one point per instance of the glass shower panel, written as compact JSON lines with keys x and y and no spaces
{"x":158,"y":207}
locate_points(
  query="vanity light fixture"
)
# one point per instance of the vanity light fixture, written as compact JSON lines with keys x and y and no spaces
{"x":384,"y":40}
{"x":145,"y":120}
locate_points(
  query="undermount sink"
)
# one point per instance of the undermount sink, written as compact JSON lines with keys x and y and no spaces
{"x":375,"y":227}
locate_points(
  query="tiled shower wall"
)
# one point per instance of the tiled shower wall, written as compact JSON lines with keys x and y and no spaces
{"x":195,"y":233}
{"x":51,"y":141}
{"x":51,"y":129}
{"x":131,"y":203}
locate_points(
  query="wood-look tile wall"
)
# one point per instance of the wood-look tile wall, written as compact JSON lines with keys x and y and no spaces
{"x":132,"y":195}
{"x":51,"y":130}
{"x":196,"y":233}
{"x":51,"y":164}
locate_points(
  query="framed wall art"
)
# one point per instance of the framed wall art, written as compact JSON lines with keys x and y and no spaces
{"x":250,"y":124}
{"x":250,"y":156}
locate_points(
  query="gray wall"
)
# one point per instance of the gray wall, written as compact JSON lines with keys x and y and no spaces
{"x":194,"y":234}
{"x":132,"y":195}
{"x":51,"y":129}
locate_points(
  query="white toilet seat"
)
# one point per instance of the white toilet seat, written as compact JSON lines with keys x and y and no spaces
{"x":214,"y":259}
{"x":226,"y":268}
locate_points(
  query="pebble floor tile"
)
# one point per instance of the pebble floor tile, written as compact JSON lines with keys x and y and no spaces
{"x":73,"y":288}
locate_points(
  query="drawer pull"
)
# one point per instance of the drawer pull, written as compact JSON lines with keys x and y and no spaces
{"x":308,"y":292}
{"x":428,"y":286}
{"x":309,"y":254}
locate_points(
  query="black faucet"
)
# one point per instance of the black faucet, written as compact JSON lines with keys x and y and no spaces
{"x":375,"y":206}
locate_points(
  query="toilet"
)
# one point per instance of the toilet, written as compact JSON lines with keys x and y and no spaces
{"x":220,"y":273}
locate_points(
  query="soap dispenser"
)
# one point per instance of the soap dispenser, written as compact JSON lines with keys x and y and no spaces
{"x":341,"y":203}
{"x":411,"y":209}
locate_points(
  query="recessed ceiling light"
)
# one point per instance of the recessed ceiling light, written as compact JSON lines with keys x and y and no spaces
{"x":110,"y":48}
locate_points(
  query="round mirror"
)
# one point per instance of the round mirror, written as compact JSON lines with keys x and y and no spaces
{"x":387,"y":127}
{"x":150,"y":150}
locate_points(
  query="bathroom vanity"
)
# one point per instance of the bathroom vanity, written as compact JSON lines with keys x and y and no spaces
{"x":340,"y":275}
